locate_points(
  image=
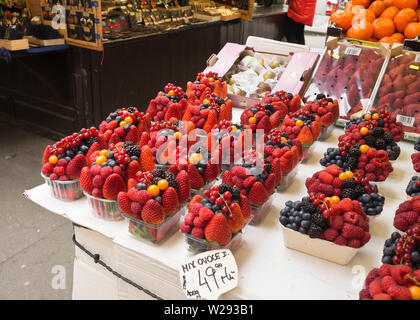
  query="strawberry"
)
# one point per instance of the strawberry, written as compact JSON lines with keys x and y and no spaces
{"x":240,"y":172}
{"x":152,"y":212}
{"x":205,"y":214}
{"x":144,"y":139}
{"x":124,"y":203}
{"x":245,"y":207}
{"x":47,"y":154}
{"x":264,"y":124}
{"x":75,"y":166}
{"x":248,"y":182}
{"x":112,"y":186}
{"x":89,"y":158}
{"x":277,"y":170}
{"x":184,"y":189}
{"x":172,"y":112}
{"x":305,"y":136}
{"x":114,"y":139}
{"x":270,"y":183}
{"x":170,"y":201}
{"x":86,"y":180}
{"x":217,"y":230}
{"x":227,"y":178}
{"x":196,"y":180}
{"x":258,"y":194}
{"x":286,"y":162}
{"x":132,"y":135}
{"x":327,"y":119}
{"x":146,"y":159}
{"x":235,"y":219}
{"x":131,"y":170}
{"x":211,"y":172}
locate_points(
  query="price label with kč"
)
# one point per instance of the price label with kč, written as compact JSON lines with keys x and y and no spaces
{"x":209,"y":274}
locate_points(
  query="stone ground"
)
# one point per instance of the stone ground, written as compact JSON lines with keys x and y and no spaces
{"x":32,"y":239}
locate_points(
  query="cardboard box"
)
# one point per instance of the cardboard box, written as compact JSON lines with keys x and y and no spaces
{"x":323,"y":249}
{"x":299,"y":61}
{"x":335,"y":75}
{"x":402,"y":102}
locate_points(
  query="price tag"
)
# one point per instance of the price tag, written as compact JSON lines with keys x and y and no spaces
{"x":417,"y":58}
{"x":353,"y":51}
{"x":336,"y":56}
{"x":405,"y":120}
{"x":209,"y":274}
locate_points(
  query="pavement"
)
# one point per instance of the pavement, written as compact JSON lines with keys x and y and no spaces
{"x":36,"y":250}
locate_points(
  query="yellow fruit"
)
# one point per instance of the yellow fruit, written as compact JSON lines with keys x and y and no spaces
{"x":368,"y":116}
{"x":299,"y":123}
{"x":153,"y":190}
{"x":349,"y":174}
{"x":335,"y":199}
{"x":171,"y":93}
{"x":128,"y":120}
{"x":122,"y":123}
{"x":53,"y":159}
{"x":100,"y":160}
{"x":415,"y":292}
{"x":364,"y":148}
{"x":375,"y":116}
{"x":364,"y":131}
{"x":252,"y":120}
{"x":206,"y":101}
{"x":104,"y":153}
{"x":163,"y":184}
{"x":343,"y":176}
{"x":177,"y":135}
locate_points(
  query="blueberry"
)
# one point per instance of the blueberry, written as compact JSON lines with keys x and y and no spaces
{"x":79,"y":152}
{"x":292,"y":219}
{"x":113,"y":115}
{"x":289,"y":203}
{"x":132,"y":158}
{"x":110,"y":154}
{"x":158,"y":199}
{"x":297,"y":205}
{"x":108,"y":119}
{"x":415,"y":256}
{"x":302,"y":230}
{"x":104,"y":164}
{"x":209,"y":205}
{"x":298,"y":220}
{"x":201,"y":170}
{"x":374,"y":195}
{"x":112,"y":162}
{"x":388,"y":242}
{"x":84,"y":149}
{"x":371,"y":212}
{"x":127,"y":127}
{"x":289,"y":225}
{"x":365,"y":198}
{"x":294,"y":226}
{"x":68,"y":159}
{"x":388,"y":251}
{"x":306,"y":216}
{"x":284,"y":220}
{"x":141,"y":186}
{"x":379,"y":209}
{"x":118,"y":119}
{"x":61,"y":156}
{"x":70,"y":153}
{"x":387,"y":260}
{"x":305,"y":223}
{"x":395,"y":236}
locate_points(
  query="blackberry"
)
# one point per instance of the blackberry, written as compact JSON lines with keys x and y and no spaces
{"x":131,"y":110}
{"x":358,"y":191}
{"x":352,"y":163}
{"x":168,"y":175}
{"x":314,"y":231}
{"x":236,"y":193}
{"x":173,"y":183}
{"x":417,"y":145}
{"x":308,"y":206}
{"x":380,"y":144}
{"x":225,"y":187}
{"x":378,"y":132}
{"x":90,"y":141}
{"x":133,"y":151}
{"x":318,"y":220}
{"x":127,"y":144}
{"x":349,"y":183}
{"x":159,"y":173}
{"x":155,"y":180}
{"x":348,"y":193}
{"x":370,"y":140}
{"x":354,"y":151}
{"x":388,"y":137}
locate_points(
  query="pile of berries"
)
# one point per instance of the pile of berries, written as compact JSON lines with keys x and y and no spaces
{"x":217,"y":216}
{"x":124,"y":125}
{"x":279,"y":147}
{"x":168,"y":104}
{"x":326,"y":108}
{"x":372,"y":203}
{"x":407,"y":214}
{"x":155,"y":197}
{"x":204,"y":85}
{"x":261,"y":117}
{"x":65,"y":159}
{"x":283,"y":101}
{"x":391,"y":282}
{"x":306,"y":128}
{"x":403,"y":249}
{"x":413,"y":187}
{"x":373,"y":164}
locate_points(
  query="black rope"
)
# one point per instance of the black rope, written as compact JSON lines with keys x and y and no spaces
{"x":97,"y":259}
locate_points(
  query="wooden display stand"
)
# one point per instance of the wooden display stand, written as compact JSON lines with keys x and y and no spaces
{"x":14,"y":45}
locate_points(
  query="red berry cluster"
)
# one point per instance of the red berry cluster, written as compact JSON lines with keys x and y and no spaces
{"x":405,"y":245}
{"x":144,"y":177}
{"x":415,"y":158}
{"x":225,"y":124}
{"x":327,"y":109}
{"x":391,"y":282}
{"x":120,"y":154}
{"x":164,"y":124}
{"x":281,"y":96}
{"x":72,"y":141}
{"x":222,"y":200}
{"x":176,"y":90}
{"x":210,"y":74}
{"x":407,"y":214}
{"x":374,"y":165}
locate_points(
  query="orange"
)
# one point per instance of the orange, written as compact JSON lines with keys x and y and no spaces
{"x":418,"y":13}
{"x":390,"y":12}
{"x":362,"y":31}
{"x":364,"y":3}
{"x":364,"y":148}
{"x":153,"y":190}
{"x":403,"y":18}
{"x":375,"y":116}
{"x":162,"y":184}
{"x":398,"y":37}
{"x":348,"y":6}
{"x":364,"y":15}
{"x":349,"y":174}
{"x":355,"y":9}
{"x":415,"y":292}
{"x":372,"y":39}
{"x":412,"y":30}
{"x":364,"y":131}
{"x":388,"y":40}
{"x":388,"y":3}
{"x":377,"y":7}
{"x":401,"y":4}
{"x":342,"y":19}
{"x":383,"y":27}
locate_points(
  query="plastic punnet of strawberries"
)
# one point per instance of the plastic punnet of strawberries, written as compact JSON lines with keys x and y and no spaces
{"x":391,"y":282}
{"x":126,"y":124}
{"x":216,"y":219}
{"x":205,"y":84}
{"x":261,"y":117}
{"x":283,"y":102}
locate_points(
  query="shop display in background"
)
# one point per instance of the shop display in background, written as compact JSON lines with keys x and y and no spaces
{"x":14,"y":19}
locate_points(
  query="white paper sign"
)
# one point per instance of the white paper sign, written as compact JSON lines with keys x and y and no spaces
{"x":209,"y":274}
{"x":353,"y":51}
{"x":405,"y":120}
{"x":417,"y":58}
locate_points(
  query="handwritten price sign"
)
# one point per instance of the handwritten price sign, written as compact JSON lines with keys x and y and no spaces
{"x":209,"y":274}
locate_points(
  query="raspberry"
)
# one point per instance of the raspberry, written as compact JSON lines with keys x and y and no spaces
{"x":335,"y":210}
{"x":189,"y":218}
{"x":185,"y":228}
{"x":375,"y":287}
{"x":337,"y":222}
{"x":366,"y":237}
{"x":132,"y":194}
{"x":59,"y":170}
{"x":97,"y":192}
{"x":399,"y":293}
{"x":400,"y":223}
{"x":62,"y":162}
{"x":106,"y":171}
{"x":49,"y":167}
{"x":364,"y":294}
{"x":371,"y":177}
{"x":354,"y":243}
{"x":197,"y":232}
{"x":385,"y":270}
{"x":399,"y":271}
{"x":370,"y":168}
{"x":337,"y":183}
{"x":63,"y":178}
{"x":409,"y":216}
{"x":136,"y":208}
{"x":386,"y":282}
{"x":371,"y":153}
{"x":382,"y":296}
{"x":372,"y":275}
{"x":198,"y":222}
{"x":330,"y":234}
{"x":195,"y":209}
{"x":357,"y":207}
{"x":95,"y":170}
{"x":351,"y":217}
{"x":346,"y":205}
{"x":205,"y":214}
{"x":97,"y":181}
{"x":351,"y":231}
{"x":341,"y":241}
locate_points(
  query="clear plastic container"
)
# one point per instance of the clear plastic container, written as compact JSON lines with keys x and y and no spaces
{"x":104,"y":209}
{"x":306,"y":152}
{"x":64,"y":190}
{"x":258,"y":213}
{"x":326,"y":132}
{"x":201,"y":245}
{"x":319,"y":248}
{"x":154,"y":233}
{"x":287,"y":179}
{"x":162,"y":166}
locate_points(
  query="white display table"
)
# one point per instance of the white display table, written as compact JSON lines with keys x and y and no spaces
{"x":267,"y":269}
